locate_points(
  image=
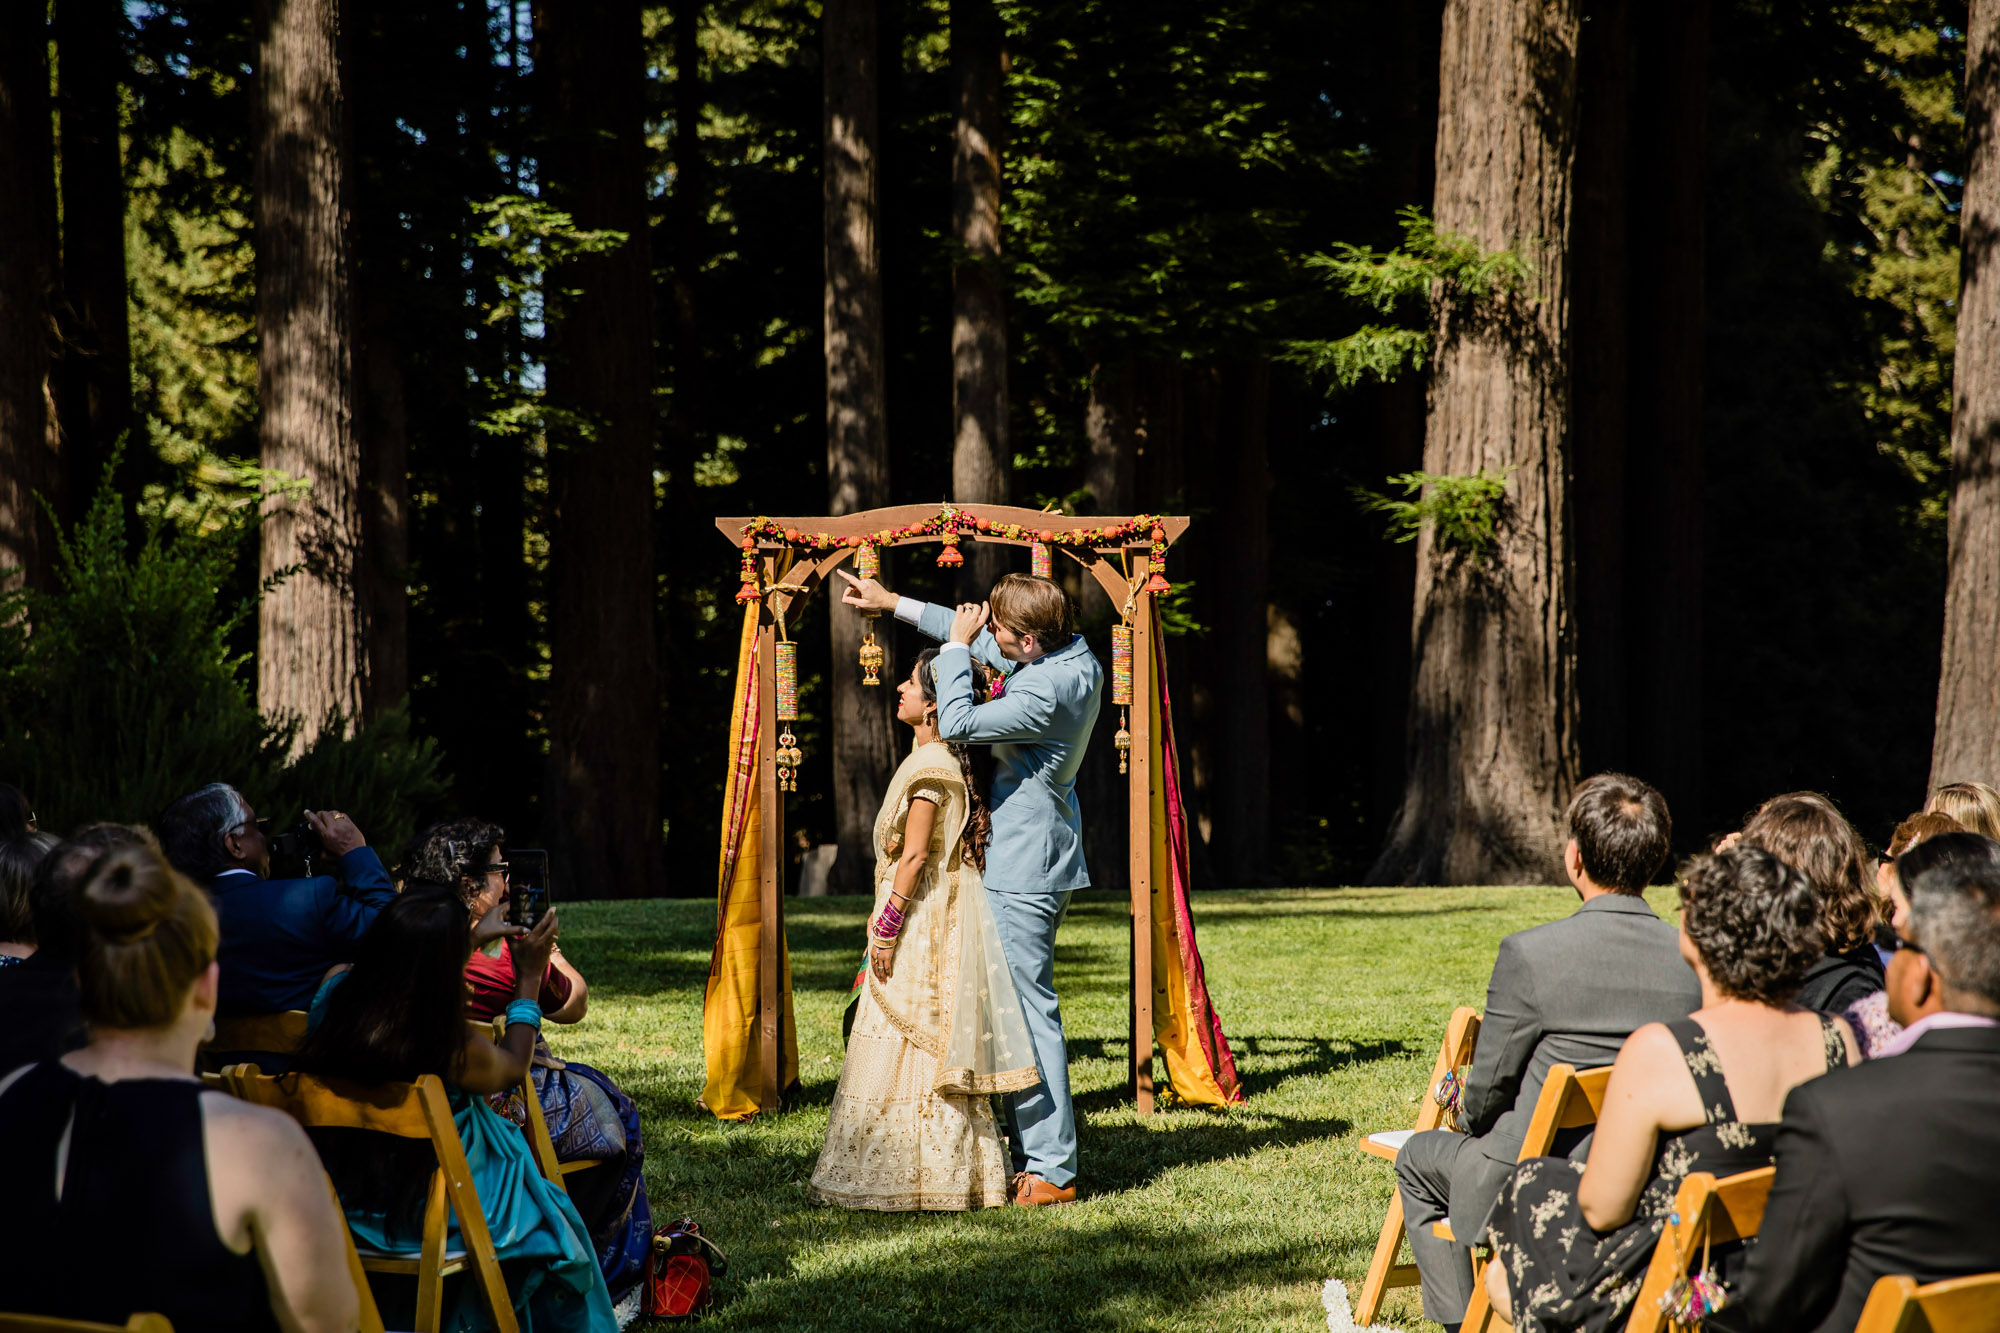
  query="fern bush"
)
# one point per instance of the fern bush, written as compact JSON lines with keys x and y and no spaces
{"x":119,"y":692}
{"x":1462,"y":511}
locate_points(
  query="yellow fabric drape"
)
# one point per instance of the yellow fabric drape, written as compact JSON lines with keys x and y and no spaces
{"x":729,"y":1034}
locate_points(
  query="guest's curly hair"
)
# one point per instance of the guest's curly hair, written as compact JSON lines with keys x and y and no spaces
{"x":1806,"y":830}
{"x":979,"y":821}
{"x":445,"y":855}
{"x":1755,"y":921}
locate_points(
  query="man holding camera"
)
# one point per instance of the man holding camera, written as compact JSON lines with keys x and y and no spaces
{"x":279,"y":936}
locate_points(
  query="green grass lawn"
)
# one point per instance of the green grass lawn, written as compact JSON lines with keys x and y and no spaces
{"x":1334,"y":1001}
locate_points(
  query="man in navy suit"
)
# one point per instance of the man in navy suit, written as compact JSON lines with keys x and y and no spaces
{"x":279,"y":936}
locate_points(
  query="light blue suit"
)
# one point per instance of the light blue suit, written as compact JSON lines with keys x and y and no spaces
{"x":1038,"y":729}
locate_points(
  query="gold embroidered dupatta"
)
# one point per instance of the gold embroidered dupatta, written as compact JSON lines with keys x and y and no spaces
{"x":949,"y":991}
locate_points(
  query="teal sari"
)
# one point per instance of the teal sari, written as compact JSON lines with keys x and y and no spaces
{"x":543,"y":1245}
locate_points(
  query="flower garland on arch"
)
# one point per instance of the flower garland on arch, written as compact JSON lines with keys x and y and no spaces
{"x":951,"y":523}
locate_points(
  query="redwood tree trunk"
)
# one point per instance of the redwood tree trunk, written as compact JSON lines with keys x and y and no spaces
{"x":1492,"y":724}
{"x":981,"y":459}
{"x":865,"y":749}
{"x":1966,"y":744}
{"x":27,"y":292}
{"x":311,"y":629}
{"x":97,"y":403}
{"x":603,"y":725}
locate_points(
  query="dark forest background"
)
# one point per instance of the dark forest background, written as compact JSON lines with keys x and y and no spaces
{"x":1169,"y":170}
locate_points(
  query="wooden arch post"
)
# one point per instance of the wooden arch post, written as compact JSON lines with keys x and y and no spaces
{"x":788,"y":571}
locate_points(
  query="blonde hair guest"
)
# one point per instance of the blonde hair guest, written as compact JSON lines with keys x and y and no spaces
{"x":224,"y":1213}
{"x":1973,"y":804}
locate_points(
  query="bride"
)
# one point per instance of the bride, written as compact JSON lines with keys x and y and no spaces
{"x":939,"y":1027}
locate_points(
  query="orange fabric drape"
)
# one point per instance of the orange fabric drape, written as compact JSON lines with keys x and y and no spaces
{"x":729,"y":1012}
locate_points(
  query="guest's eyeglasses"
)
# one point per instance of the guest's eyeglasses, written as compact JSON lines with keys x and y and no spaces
{"x":500,"y":868}
{"x":1888,"y":941}
{"x":262,"y":824}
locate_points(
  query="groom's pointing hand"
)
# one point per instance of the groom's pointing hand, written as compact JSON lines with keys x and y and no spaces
{"x":868,"y":594}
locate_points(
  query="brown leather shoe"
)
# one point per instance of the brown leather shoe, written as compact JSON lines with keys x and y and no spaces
{"x":1034,"y":1192}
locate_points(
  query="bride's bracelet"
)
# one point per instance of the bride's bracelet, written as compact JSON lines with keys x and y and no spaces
{"x":889,"y":921}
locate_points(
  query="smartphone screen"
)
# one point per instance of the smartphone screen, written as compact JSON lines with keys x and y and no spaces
{"x":527,"y":886}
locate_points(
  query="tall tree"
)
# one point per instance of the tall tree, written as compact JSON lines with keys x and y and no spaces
{"x":857,"y":442}
{"x":27,"y":292}
{"x":1966,"y":743}
{"x":1492,"y":722}
{"x":311,"y":629}
{"x":981,"y":459}
{"x":96,"y":402}
{"x":603,"y":727}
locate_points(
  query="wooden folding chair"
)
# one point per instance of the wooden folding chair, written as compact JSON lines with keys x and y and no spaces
{"x":371,"y":1315}
{"x":1706,"y":1211}
{"x":1958,"y":1305}
{"x":1571,"y":1099}
{"x":33,"y":1323}
{"x":417,"y":1110}
{"x":1461,"y":1034}
{"x":280,"y":1033}
{"x":537,"y":1129}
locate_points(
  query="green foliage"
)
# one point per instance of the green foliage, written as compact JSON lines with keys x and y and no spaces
{"x":1429,"y":271}
{"x":119,"y":690}
{"x":1462,"y":511}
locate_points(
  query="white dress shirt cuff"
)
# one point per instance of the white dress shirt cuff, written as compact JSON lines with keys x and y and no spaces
{"x":909,"y":610}
{"x":953,"y":646}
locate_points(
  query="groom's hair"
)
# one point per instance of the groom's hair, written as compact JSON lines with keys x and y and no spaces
{"x":1028,"y":604}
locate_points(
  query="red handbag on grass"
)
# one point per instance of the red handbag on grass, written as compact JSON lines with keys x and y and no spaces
{"x":679,"y":1270}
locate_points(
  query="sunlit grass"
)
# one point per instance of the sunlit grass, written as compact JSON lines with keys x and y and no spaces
{"x":1334,"y":1001}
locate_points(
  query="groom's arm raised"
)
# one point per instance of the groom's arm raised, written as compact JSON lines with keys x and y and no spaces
{"x":1021,"y":714}
{"x":870,"y":595}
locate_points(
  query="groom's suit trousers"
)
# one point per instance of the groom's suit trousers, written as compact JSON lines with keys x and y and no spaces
{"x":1041,"y":1123}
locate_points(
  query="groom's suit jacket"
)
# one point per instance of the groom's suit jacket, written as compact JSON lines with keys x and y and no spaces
{"x":1037,"y":728}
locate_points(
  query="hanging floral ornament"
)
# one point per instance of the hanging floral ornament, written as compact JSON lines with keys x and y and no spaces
{"x":868,"y":564}
{"x":788,"y":755}
{"x":1158,"y":583}
{"x":1040,"y":559}
{"x":748,"y":592}
{"x":1121,"y":689}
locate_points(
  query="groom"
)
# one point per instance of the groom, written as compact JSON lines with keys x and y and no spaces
{"x":1038,"y":726}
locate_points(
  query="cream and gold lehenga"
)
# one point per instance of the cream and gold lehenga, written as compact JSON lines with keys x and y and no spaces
{"x":912,"y":1124}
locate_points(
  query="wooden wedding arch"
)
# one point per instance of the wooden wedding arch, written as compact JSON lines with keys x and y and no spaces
{"x":784,"y":561}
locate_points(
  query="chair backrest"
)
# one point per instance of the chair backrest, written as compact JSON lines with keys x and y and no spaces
{"x":371,"y":1314}
{"x":280,"y":1033}
{"x":537,"y":1129}
{"x":1706,"y":1211}
{"x":1571,"y":1099}
{"x":1958,"y":1305}
{"x":1461,"y":1035}
{"x":29,"y":1323}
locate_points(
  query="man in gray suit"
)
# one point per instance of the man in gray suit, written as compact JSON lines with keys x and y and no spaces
{"x":1038,"y":725}
{"x":1569,"y":992}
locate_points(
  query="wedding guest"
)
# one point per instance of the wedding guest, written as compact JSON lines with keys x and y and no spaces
{"x":1568,"y":992}
{"x":1914,"y":990}
{"x":1894,"y":1167}
{"x":590,"y":1119}
{"x":1872,"y":1017}
{"x":19,"y":857}
{"x":1973,"y":804}
{"x":1572,"y":1241}
{"x":1807,"y":831}
{"x":16,"y":815}
{"x":399,"y":1013}
{"x":131,"y":1186}
{"x":40,"y":1013}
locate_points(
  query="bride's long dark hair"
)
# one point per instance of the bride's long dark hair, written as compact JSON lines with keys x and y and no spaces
{"x":979,"y":822}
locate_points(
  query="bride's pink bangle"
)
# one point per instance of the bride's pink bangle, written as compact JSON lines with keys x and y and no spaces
{"x":890,"y":920}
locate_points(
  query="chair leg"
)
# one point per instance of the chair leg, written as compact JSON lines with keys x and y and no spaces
{"x":1479,"y":1314}
{"x":1376,"y":1285}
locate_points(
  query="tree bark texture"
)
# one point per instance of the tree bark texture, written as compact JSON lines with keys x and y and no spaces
{"x":865,"y":744}
{"x":28,"y":459}
{"x":385,"y":507}
{"x":1493,"y":715}
{"x":311,"y":629}
{"x":604,"y":722}
{"x":1966,"y":744}
{"x":1663,"y":473}
{"x":96,"y":404}
{"x":981,"y":459}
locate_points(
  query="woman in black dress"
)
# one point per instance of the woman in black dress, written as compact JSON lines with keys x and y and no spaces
{"x":1572,"y":1242}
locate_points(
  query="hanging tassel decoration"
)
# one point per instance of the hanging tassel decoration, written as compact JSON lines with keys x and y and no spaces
{"x":868,"y":565}
{"x":788,"y":756}
{"x":1158,"y":583}
{"x":748,"y":592}
{"x":1040,"y":563}
{"x":949,"y":523}
{"x":1121,"y":690}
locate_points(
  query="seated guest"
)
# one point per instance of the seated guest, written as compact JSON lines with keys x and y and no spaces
{"x":279,"y":936}
{"x":1973,"y":804}
{"x":1806,"y":831}
{"x":399,"y":1013}
{"x":589,"y":1118}
{"x":1871,"y":1017}
{"x":40,"y":1017}
{"x":19,"y":856}
{"x":131,"y":1186}
{"x":1568,"y":992}
{"x":1572,"y":1241}
{"x":1894,"y":1167}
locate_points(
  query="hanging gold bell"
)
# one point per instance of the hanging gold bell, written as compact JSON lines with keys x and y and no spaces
{"x":788,"y":758}
{"x":1123,"y":742}
{"x":872,"y":658}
